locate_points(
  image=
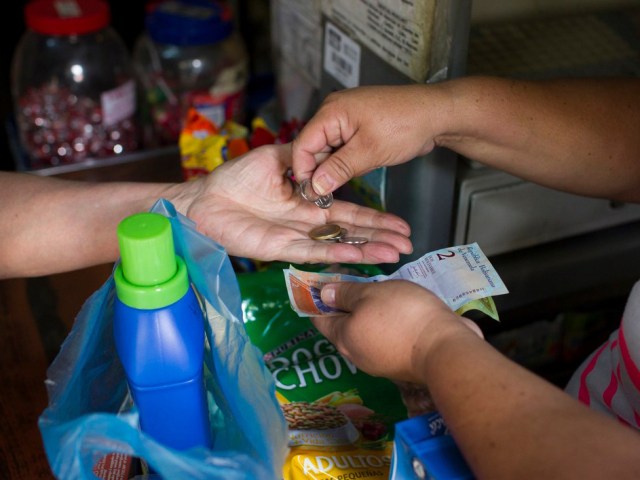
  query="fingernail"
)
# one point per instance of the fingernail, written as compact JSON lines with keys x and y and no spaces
{"x":323,"y":184}
{"x":328,"y":295}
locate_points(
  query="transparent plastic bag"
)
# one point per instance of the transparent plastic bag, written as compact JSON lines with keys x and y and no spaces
{"x":90,"y":414}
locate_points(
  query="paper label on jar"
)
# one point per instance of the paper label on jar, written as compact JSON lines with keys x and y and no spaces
{"x":118,"y":104}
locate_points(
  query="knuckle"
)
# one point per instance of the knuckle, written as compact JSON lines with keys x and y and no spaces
{"x":341,"y":166}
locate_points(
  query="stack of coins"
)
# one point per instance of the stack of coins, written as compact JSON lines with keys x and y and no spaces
{"x":335,"y":233}
{"x":307,"y":192}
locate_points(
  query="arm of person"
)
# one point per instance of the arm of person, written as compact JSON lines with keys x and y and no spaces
{"x":248,"y":205}
{"x":52,"y":225}
{"x":575,"y":135}
{"x":507,"y":422}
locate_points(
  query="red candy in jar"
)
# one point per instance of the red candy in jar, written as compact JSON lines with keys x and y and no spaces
{"x":73,"y":85}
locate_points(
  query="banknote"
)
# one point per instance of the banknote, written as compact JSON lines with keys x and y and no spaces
{"x":458,"y":275}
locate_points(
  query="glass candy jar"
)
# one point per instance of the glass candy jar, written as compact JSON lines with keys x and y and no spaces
{"x":73,"y":84}
{"x":190,"y":55}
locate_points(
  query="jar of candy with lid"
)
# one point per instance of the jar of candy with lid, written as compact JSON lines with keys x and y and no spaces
{"x":190,"y":55}
{"x":73,"y":84}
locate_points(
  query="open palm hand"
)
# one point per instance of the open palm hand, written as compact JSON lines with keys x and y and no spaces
{"x":252,"y":208}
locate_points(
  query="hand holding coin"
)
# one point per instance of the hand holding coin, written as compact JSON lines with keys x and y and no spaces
{"x":250,"y":206}
{"x":309,"y":194}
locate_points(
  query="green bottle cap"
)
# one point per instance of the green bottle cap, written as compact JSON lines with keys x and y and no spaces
{"x":149,"y":275}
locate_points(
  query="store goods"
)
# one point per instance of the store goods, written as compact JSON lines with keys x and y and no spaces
{"x":73,"y":85}
{"x":159,"y":334}
{"x":341,"y":420}
{"x":90,"y":423}
{"x":190,"y":56}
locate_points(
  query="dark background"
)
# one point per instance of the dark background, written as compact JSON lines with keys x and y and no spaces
{"x":127,"y":18}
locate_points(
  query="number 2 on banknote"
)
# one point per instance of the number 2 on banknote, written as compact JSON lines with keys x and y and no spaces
{"x":443,"y":256}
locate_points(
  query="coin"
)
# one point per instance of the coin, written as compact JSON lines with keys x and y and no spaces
{"x":309,"y":194}
{"x":325,"y":232}
{"x":354,"y":240}
{"x":336,"y":239}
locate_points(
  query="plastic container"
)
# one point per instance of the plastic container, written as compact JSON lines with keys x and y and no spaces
{"x":424,"y":450}
{"x":189,"y":56}
{"x":159,"y":334}
{"x":73,"y":84}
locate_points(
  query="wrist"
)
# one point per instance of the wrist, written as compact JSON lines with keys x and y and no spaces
{"x":434,"y":345}
{"x":182,"y":195}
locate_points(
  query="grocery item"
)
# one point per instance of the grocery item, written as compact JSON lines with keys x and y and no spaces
{"x":73,"y":85}
{"x":159,"y":334}
{"x":190,"y":56}
{"x":205,"y":146}
{"x":341,"y":420}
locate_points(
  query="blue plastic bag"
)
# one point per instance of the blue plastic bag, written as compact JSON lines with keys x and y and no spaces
{"x":90,"y":413}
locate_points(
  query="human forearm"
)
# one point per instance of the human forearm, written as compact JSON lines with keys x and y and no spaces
{"x":510,"y":423}
{"x":248,"y":205}
{"x":577,"y":135}
{"x":52,"y":225}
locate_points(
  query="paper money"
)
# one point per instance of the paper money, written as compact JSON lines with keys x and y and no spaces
{"x":458,"y":275}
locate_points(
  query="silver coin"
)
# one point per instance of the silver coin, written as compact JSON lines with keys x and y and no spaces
{"x":309,"y":194}
{"x":354,"y":240}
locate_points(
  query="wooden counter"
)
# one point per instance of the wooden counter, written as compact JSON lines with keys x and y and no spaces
{"x":35,"y":316}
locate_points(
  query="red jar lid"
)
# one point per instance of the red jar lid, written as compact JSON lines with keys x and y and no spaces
{"x":66,"y":17}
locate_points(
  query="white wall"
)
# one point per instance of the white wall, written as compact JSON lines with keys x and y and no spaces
{"x":486,"y":11}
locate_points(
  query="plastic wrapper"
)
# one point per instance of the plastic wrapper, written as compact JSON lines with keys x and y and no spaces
{"x":341,"y":420}
{"x":90,"y":421}
{"x":204,"y":146}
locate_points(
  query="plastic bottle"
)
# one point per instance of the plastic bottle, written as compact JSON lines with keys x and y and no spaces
{"x":190,"y":55}
{"x":73,"y":85}
{"x":159,"y":334}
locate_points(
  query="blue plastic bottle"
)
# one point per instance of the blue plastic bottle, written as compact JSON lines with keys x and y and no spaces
{"x":159,"y":334}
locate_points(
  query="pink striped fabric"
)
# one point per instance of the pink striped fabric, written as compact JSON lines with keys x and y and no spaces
{"x":609,"y":379}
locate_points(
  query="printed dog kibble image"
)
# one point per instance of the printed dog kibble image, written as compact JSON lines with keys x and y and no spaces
{"x":312,"y":416}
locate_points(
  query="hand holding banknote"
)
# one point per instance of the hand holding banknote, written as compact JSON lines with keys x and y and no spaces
{"x":384,"y":323}
{"x":387,"y":324}
{"x":461,"y":276}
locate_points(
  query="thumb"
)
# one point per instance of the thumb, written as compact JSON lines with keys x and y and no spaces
{"x":340,"y":167}
{"x":342,"y":295}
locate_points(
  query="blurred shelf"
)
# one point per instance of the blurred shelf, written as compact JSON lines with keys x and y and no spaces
{"x":158,"y":165}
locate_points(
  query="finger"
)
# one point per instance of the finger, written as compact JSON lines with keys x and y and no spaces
{"x":333,"y":328}
{"x":351,"y":213}
{"x":309,"y":147}
{"x":473,"y":326}
{"x":344,"y":295}
{"x":344,"y":164}
{"x":313,"y":251}
{"x":377,"y":239}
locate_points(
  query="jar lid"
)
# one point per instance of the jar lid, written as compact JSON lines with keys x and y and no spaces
{"x":66,"y":17}
{"x":189,"y":22}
